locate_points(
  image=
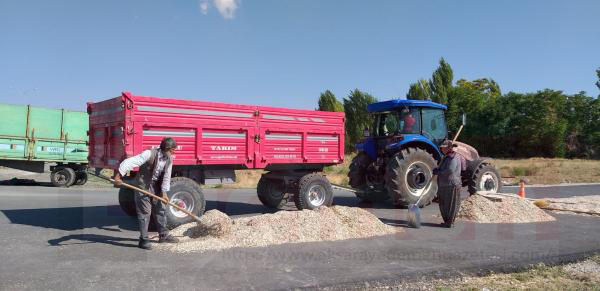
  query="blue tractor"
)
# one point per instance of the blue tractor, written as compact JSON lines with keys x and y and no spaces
{"x":395,"y":161}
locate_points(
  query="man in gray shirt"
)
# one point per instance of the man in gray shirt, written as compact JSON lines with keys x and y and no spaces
{"x":154,"y":176}
{"x":449,"y":183}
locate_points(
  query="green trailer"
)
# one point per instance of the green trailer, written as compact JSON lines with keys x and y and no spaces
{"x":32,"y":136}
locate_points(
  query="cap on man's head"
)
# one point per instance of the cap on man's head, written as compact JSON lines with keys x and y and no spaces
{"x":167,"y":144}
{"x":448,"y":144}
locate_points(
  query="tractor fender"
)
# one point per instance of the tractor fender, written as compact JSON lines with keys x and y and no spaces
{"x":369,"y":147}
{"x":417,"y":141}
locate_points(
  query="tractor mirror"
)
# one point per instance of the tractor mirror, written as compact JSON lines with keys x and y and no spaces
{"x":464,"y":119}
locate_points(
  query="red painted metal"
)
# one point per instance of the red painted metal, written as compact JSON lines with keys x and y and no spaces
{"x":209,"y":133}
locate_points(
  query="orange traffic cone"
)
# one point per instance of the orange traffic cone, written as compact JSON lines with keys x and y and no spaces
{"x":522,"y":189}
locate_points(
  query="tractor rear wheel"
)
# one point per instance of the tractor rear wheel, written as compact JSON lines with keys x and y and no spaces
{"x":271,"y":193}
{"x":407,"y":175}
{"x":357,"y":178}
{"x":485,"y":178}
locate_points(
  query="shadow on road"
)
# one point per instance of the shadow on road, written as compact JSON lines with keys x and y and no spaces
{"x":404,"y":223}
{"x":238,"y":208}
{"x":356,"y":202}
{"x":73,"y":218}
{"x":93,"y":238}
{"x":24,"y":182}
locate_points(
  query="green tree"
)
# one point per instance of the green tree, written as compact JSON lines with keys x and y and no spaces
{"x":328,"y":102}
{"x":437,"y":88}
{"x":419,"y":91}
{"x":598,"y":82}
{"x":441,"y":82}
{"x":357,"y":117}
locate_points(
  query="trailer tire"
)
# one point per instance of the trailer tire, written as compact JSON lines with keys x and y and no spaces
{"x":407,"y":173}
{"x":127,"y":201}
{"x":186,"y":193}
{"x":62,"y":177}
{"x":485,"y":178}
{"x":271,"y":193}
{"x":81,"y":178}
{"x":314,"y":190}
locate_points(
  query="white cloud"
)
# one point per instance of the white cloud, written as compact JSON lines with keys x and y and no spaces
{"x":227,"y":8}
{"x":204,"y":6}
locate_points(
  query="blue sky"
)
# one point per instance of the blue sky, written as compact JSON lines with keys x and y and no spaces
{"x":284,"y":53}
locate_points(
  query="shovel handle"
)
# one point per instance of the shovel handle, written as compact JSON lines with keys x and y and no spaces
{"x":423,"y":194}
{"x":163,"y":200}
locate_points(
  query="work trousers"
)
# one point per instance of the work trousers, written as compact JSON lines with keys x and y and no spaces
{"x":144,"y":205}
{"x":449,"y":201}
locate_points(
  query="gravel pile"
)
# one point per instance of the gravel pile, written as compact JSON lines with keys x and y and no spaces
{"x":579,"y":203}
{"x":510,"y":210}
{"x":217,"y":231}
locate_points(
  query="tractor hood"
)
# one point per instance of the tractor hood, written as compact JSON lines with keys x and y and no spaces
{"x":399,"y":103}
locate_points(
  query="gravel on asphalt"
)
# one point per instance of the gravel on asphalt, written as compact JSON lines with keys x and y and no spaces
{"x":578,"y":203}
{"x":477,"y":208}
{"x":217,"y":231}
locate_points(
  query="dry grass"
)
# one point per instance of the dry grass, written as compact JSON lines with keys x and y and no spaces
{"x":584,"y":275}
{"x":549,"y":171}
{"x":577,"y":276}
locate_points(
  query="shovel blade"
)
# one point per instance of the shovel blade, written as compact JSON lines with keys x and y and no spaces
{"x":414,"y":216}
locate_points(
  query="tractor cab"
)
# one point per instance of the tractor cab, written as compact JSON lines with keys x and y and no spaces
{"x":398,"y":122}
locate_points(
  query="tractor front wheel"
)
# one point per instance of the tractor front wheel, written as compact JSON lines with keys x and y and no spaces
{"x":407,"y":175}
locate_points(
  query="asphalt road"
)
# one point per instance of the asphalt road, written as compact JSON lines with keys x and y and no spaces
{"x":78,"y":238}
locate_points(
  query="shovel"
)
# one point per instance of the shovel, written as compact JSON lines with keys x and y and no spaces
{"x":414,"y":212}
{"x":165,"y":201}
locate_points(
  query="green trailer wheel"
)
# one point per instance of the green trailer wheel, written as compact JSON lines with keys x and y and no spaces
{"x":62,"y":177}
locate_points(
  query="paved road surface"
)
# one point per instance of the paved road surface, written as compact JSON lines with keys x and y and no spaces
{"x":79,"y":239}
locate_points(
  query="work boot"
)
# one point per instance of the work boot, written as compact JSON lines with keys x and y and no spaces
{"x":144,"y":244}
{"x":167,"y":239}
{"x":447,"y":225}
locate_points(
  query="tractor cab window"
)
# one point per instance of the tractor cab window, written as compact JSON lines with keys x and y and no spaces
{"x":405,"y":121}
{"x":434,"y":125}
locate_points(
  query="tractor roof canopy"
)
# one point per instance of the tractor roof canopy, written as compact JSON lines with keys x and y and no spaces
{"x":399,"y":103}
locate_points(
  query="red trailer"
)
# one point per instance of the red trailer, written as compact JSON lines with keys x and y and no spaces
{"x":214,"y":139}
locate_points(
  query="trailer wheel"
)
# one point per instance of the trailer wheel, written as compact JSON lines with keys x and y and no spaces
{"x":314,"y":190}
{"x":127,"y":201}
{"x":187,"y":194}
{"x":81,"y":178}
{"x":62,"y":177}
{"x":485,"y":178}
{"x":271,"y":193}
{"x":407,"y":175}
